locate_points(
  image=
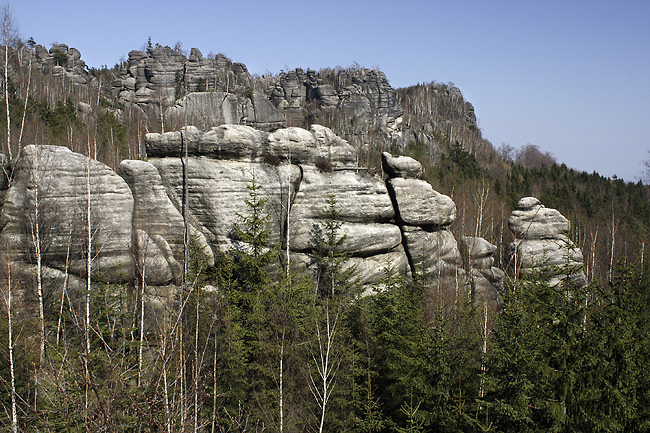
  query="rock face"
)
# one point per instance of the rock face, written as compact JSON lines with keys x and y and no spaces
{"x":364,"y":95}
{"x":203,"y":91}
{"x":541,"y":241}
{"x":486,"y":279}
{"x":208,"y":92}
{"x":51,"y":186}
{"x":401,"y":166}
{"x":244,"y":143}
{"x":418,"y":204}
{"x":423,"y":215}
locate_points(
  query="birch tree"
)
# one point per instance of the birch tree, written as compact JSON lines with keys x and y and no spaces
{"x":35,"y":227}
{"x":10,"y":340}
{"x":326,"y":359}
{"x":9,"y":36}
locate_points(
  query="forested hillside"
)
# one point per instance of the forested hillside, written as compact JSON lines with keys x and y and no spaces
{"x":239,"y":342}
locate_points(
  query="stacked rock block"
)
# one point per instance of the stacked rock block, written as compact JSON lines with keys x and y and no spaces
{"x":424,"y":216}
{"x":542,"y":241}
{"x":485,"y":278}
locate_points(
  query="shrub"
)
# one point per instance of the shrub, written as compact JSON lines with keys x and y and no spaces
{"x":324,"y":165}
{"x":271,"y":159}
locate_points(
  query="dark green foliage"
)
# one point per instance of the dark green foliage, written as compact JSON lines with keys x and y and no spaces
{"x":571,"y":359}
{"x":111,"y":134}
{"x":466,"y":162}
{"x":57,"y":120}
{"x":331,"y":278}
{"x":60,"y":58}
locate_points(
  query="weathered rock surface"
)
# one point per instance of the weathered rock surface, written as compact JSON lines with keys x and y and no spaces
{"x":152,"y":260}
{"x":244,"y":143}
{"x":217,"y":191}
{"x":541,"y":241}
{"x":58,"y":177}
{"x":160,"y":222}
{"x":486,"y":279}
{"x":361,"y":239}
{"x":216,"y":108}
{"x":364,"y":95}
{"x":359,"y":197}
{"x":161,"y":76}
{"x":531,"y":220}
{"x":60,"y":61}
{"x":433,"y":252}
{"x":418,"y":204}
{"x":370,"y":270}
{"x":401,"y":166}
{"x":374,"y":269}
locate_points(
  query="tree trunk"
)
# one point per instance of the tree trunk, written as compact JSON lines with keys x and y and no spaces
{"x":10,"y":346}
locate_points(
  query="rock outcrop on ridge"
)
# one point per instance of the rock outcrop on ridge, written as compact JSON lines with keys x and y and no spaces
{"x":209,"y":92}
{"x":542,"y":241}
{"x":363,"y":95}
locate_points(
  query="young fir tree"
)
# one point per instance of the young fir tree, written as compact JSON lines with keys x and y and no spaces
{"x":613,"y":382}
{"x":241,"y":278}
{"x":535,"y":364}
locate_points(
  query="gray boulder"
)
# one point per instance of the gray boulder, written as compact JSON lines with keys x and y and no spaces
{"x":244,"y":143}
{"x":361,"y":239}
{"x":60,"y":177}
{"x":217,"y":191}
{"x":400,"y":166}
{"x":369,"y":271}
{"x":432,"y":251}
{"x":532,"y":220}
{"x":308,"y":147}
{"x":418,"y":204}
{"x":359,"y":197}
{"x":374,"y":269}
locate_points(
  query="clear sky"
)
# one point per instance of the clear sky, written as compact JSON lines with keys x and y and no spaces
{"x":569,"y":76}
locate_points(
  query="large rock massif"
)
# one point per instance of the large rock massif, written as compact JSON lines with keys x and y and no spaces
{"x":212,"y":91}
{"x":137,"y":214}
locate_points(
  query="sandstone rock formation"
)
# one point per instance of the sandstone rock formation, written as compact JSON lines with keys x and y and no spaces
{"x":486,"y":279}
{"x":138,"y":217}
{"x":364,"y":95}
{"x":423,"y":215}
{"x":59,"y":180}
{"x":203,"y":91}
{"x":541,"y":241}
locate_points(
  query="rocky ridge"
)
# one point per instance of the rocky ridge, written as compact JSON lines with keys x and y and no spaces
{"x":212,"y":91}
{"x":177,"y":89}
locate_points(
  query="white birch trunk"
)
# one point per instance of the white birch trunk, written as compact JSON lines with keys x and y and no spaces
{"x":36,"y":241}
{"x":6,"y":41}
{"x":10,"y":346}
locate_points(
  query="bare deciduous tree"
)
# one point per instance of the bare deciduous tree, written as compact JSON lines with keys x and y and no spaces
{"x":9,"y":36}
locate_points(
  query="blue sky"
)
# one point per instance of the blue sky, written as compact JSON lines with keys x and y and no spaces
{"x":572,"y":77}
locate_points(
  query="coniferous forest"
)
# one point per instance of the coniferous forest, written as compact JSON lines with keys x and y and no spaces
{"x":248,"y":345}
